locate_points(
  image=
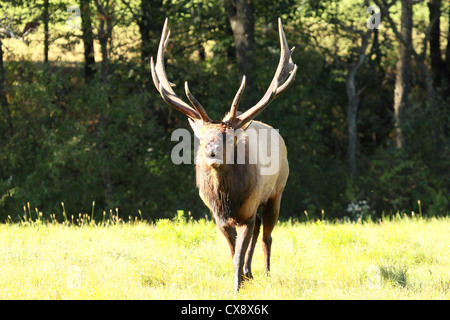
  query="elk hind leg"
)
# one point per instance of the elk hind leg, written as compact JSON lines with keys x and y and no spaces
{"x":251,"y":248}
{"x":270,"y":211}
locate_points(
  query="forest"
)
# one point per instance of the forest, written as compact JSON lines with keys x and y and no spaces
{"x":83,"y":129}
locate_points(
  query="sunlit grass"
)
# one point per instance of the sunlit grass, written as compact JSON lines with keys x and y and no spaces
{"x":403,"y":258}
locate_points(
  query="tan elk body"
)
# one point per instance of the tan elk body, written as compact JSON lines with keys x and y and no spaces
{"x":233,"y":175}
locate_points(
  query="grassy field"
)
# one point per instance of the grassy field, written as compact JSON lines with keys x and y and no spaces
{"x":403,"y":258}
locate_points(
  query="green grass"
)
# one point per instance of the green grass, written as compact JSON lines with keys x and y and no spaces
{"x":404,"y":258}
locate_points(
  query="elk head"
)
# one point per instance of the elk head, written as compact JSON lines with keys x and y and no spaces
{"x":213,"y":134}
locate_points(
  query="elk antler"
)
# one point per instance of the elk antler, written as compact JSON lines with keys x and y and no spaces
{"x":281,"y":81}
{"x":236,"y":101}
{"x":164,"y":87}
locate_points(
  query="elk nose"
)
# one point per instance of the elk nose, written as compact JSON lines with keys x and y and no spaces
{"x":210,"y":149}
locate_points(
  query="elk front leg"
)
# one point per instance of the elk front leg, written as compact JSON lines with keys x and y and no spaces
{"x":244,"y":234}
{"x":230,"y":234}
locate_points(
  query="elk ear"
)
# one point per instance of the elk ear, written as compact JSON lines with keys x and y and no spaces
{"x":196,"y":127}
{"x":245,"y":126}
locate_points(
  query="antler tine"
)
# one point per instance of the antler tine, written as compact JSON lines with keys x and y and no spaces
{"x":196,"y":104}
{"x":284,"y":76}
{"x":164,"y":86}
{"x":236,"y":100}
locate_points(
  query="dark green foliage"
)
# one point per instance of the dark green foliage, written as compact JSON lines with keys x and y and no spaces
{"x":52,"y":155}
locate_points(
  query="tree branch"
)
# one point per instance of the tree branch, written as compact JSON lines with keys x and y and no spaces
{"x":385,"y":10}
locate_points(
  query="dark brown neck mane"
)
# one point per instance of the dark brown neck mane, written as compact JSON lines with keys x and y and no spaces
{"x":225,"y":189}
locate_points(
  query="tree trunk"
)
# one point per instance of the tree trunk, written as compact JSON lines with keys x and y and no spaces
{"x":447,"y":58}
{"x":353,"y":102}
{"x":106,"y":172}
{"x":352,"y":111}
{"x":150,"y":21}
{"x":3,"y":101}
{"x":103,"y":39}
{"x":240,"y":15}
{"x":435,"y":45}
{"x":45,"y":17}
{"x":403,"y":77}
{"x":404,"y":72}
{"x":88,"y":40}
{"x":104,"y":36}
{"x":432,"y":104}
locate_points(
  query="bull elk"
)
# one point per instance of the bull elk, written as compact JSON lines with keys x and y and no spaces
{"x":233,"y":190}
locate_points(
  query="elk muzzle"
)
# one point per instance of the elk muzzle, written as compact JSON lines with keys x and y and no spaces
{"x":214,"y":153}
